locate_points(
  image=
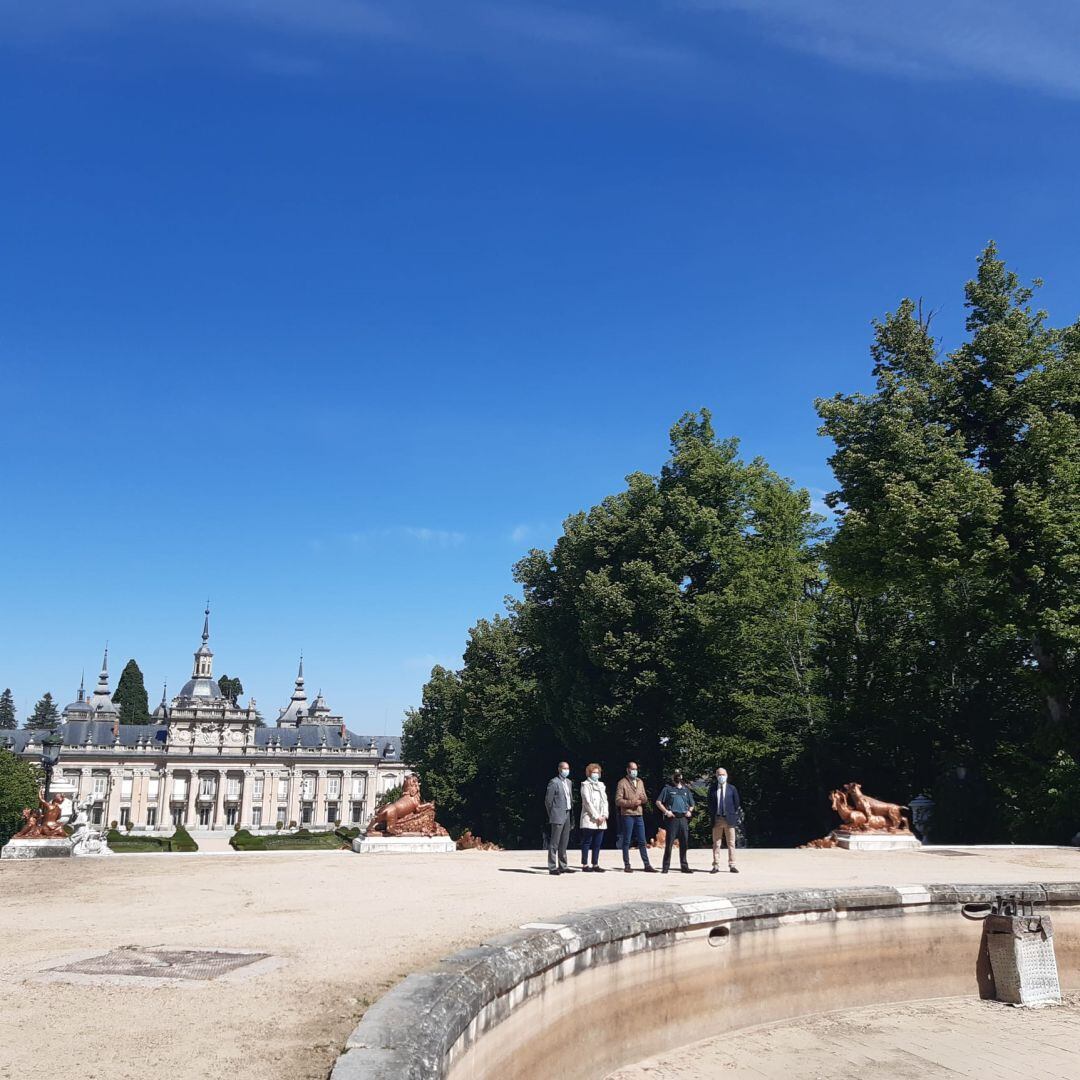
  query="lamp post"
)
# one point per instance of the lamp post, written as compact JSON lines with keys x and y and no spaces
{"x":50,"y":755}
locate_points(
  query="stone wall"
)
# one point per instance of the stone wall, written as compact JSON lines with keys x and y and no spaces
{"x":602,"y":988}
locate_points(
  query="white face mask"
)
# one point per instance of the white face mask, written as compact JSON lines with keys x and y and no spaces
{"x":594,"y":776}
{"x":722,"y":778}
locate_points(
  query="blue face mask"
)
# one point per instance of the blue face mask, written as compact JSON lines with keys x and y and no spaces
{"x":564,"y":773}
{"x":632,"y":774}
{"x":594,"y":776}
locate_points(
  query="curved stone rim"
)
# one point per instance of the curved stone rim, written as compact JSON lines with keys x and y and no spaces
{"x":412,"y":1031}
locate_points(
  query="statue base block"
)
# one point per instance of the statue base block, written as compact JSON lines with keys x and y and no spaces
{"x":875,"y":841}
{"x":36,"y":849}
{"x":403,"y":845}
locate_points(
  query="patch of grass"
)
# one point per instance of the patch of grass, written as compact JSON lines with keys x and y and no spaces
{"x":301,"y":840}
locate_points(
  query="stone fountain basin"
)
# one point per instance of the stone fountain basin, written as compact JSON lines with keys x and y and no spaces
{"x":612,"y":985}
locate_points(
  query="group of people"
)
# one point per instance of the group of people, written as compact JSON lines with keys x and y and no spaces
{"x":676,"y":806}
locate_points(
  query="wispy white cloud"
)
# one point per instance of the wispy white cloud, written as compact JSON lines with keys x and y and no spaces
{"x":435,"y":537}
{"x":506,"y":32}
{"x":1033,"y":43}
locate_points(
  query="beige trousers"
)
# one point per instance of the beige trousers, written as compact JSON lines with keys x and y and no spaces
{"x":721,"y":830}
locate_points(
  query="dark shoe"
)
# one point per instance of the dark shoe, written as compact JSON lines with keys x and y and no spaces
{"x":598,"y":870}
{"x":686,"y":870}
{"x":585,"y":869}
{"x":664,"y":871}
{"x":629,"y":869}
{"x":554,"y":873}
{"x":715,"y":870}
{"x":650,"y":869}
{"x":733,"y":869}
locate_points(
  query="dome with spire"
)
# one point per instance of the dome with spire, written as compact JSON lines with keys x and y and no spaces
{"x":202,"y":686}
{"x":80,"y":708}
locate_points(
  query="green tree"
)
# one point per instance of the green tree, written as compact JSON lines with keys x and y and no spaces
{"x":230,"y":688}
{"x":7,"y":710}
{"x":674,"y":623}
{"x":957,"y":556}
{"x":19,"y":783}
{"x":45,"y":714}
{"x":131,"y":696}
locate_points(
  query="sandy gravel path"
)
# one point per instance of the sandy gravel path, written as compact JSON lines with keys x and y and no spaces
{"x":345,"y":928}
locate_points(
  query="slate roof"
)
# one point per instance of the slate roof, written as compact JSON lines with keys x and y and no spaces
{"x":310,"y":736}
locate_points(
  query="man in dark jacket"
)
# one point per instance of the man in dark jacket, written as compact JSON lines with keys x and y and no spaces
{"x":724,"y":808}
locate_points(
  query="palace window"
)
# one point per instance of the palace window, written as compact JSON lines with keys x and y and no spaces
{"x":257,"y":788}
{"x":256,"y":817}
{"x":101,"y":784}
{"x":153,"y":787}
{"x":283,"y":788}
{"x":96,"y":814}
{"x":357,"y":813}
{"x":359,"y":786}
{"x":333,"y":786}
{"x":307,"y":813}
{"x":178,"y":815}
{"x":307,"y":786}
{"x":125,"y":785}
{"x":283,"y":814}
{"x":232,"y":788}
{"x":206,"y":787}
{"x":331,"y":812}
{"x":125,"y":816}
{"x":230,"y":815}
{"x":180,"y":789}
{"x":151,"y":816}
{"x":204,"y":816}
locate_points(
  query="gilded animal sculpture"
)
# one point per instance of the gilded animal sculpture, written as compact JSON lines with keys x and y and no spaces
{"x":893,"y":813}
{"x":407,"y":815}
{"x":44,"y":822}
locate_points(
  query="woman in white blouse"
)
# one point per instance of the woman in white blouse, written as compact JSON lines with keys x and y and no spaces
{"x":594,"y":817}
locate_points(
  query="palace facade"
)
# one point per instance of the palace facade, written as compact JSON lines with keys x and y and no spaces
{"x":206,"y":763}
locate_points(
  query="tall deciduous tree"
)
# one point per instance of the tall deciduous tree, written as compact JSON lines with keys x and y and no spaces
{"x":45,"y":714}
{"x":7,"y":710}
{"x":131,"y":696}
{"x":18,"y":790}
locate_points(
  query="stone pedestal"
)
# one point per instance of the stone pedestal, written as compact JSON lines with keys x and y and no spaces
{"x":402,"y":845}
{"x":875,"y":841}
{"x":36,"y":849}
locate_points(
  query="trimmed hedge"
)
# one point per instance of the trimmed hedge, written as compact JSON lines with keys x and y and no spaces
{"x":301,"y":840}
{"x":179,"y":841}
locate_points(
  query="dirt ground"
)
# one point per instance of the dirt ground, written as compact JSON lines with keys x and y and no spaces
{"x":342,"y":928}
{"x":943,"y":1039}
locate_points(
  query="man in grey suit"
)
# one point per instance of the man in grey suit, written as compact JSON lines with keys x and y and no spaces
{"x":559,"y":804}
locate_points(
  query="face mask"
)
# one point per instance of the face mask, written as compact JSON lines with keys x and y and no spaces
{"x":564,"y":773}
{"x":632,"y":773}
{"x":594,"y":776}
{"x":721,"y":779}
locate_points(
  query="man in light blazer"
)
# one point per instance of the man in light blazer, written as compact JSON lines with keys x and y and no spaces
{"x":559,"y":804}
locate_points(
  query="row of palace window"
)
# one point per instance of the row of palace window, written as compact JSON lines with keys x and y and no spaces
{"x":204,"y":810}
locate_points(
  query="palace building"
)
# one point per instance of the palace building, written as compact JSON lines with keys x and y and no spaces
{"x":206,"y":762}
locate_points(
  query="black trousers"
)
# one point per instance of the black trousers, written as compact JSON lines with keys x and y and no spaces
{"x":678,"y":828}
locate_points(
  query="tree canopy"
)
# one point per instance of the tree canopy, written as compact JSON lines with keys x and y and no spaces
{"x":927,"y":640}
{"x":45,"y":714}
{"x":7,"y":710}
{"x":131,"y":696}
{"x":18,"y":790}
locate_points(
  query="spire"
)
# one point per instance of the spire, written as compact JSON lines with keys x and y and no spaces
{"x":300,"y":671}
{"x":101,"y":699}
{"x":206,"y":624}
{"x":82,"y":686}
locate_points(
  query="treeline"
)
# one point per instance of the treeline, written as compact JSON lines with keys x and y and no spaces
{"x":928,"y":640}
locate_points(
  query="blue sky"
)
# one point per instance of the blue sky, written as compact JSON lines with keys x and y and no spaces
{"x":330,"y":310}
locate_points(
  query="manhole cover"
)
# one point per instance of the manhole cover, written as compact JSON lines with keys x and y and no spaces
{"x":163,"y":963}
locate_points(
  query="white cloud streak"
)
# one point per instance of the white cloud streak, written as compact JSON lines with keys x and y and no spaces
{"x":1034,"y":43}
